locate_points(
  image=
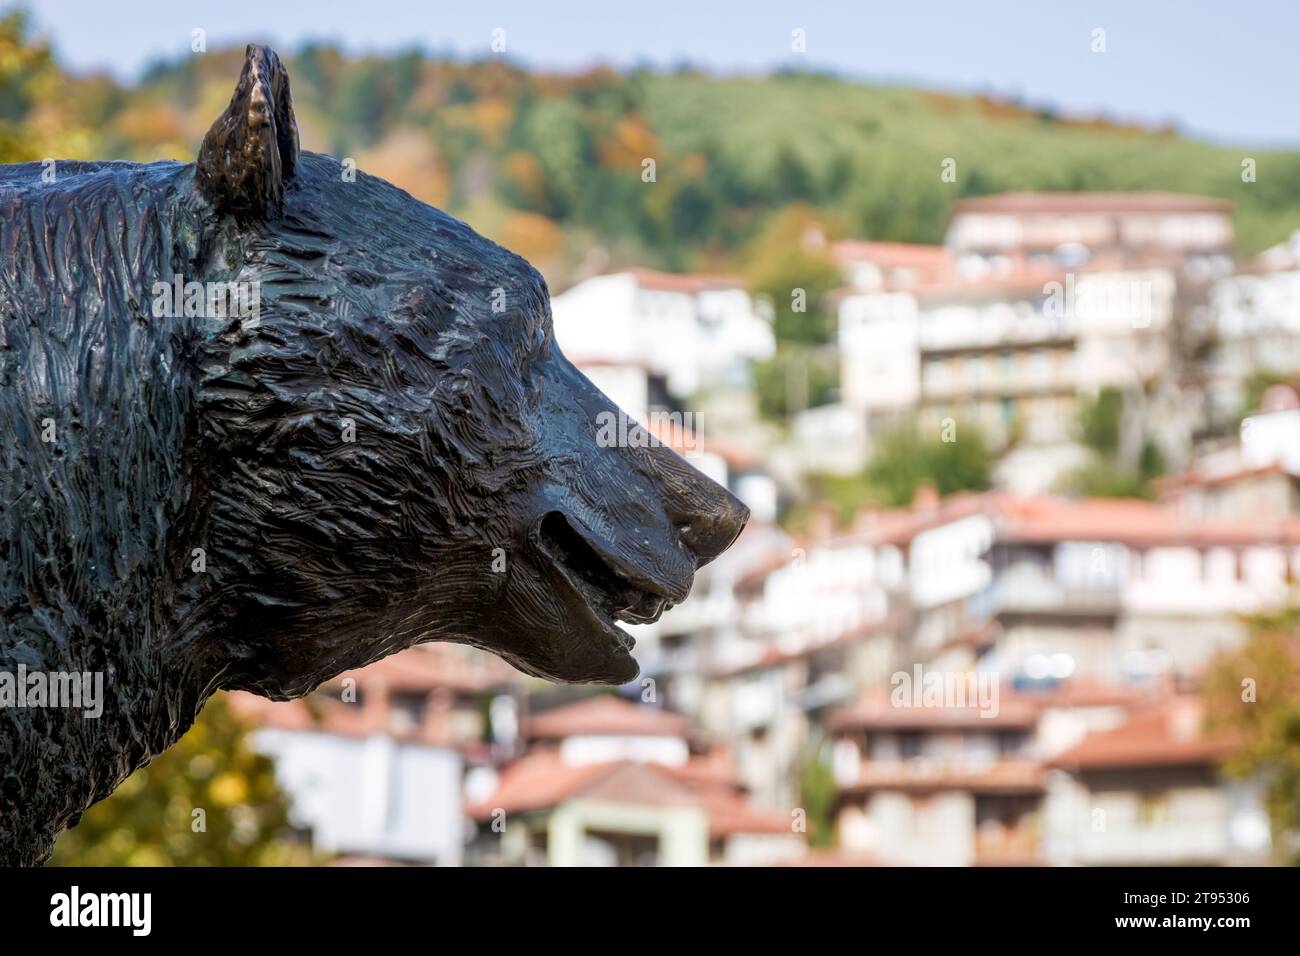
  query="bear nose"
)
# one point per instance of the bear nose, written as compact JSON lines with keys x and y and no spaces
{"x":710,"y":529}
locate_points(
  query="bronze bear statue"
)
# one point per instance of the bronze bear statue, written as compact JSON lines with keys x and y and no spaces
{"x":365,"y":439}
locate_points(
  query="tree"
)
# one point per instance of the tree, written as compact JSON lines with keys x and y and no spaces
{"x":23,"y":63}
{"x":793,"y":269}
{"x":904,"y":459}
{"x":817,"y":794}
{"x":1103,"y":479}
{"x":1254,"y":693}
{"x":1110,"y":473}
{"x":210,"y":800}
{"x":796,"y":378}
{"x":43,"y":112}
{"x":1256,"y":384}
{"x":1101,"y":420}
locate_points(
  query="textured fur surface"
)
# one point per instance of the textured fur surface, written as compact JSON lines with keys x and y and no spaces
{"x":394,"y":451}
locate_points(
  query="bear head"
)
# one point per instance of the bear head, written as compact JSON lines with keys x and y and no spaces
{"x":394,"y":449}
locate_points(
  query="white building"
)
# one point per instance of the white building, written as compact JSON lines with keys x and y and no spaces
{"x":655,"y":342}
{"x":374,"y":762}
{"x":1255,"y":479}
{"x":1256,"y":321}
{"x":1081,"y":775}
{"x":1011,"y":354}
{"x":1034,"y":300}
{"x":606,"y":782}
{"x":371,"y":796}
{"x":1149,"y":792}
{"x":694,"y":332}
{"x":1009,"y":231}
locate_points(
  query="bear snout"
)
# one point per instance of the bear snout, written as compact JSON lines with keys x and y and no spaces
{"x":709,"y":532}
{"x":705,"y":517}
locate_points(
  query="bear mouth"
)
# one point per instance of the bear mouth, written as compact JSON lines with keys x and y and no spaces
{"x":606,"y":587}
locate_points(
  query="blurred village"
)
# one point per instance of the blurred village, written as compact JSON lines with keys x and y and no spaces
{"x":767,"y":714}
{"x":1023,"y":464}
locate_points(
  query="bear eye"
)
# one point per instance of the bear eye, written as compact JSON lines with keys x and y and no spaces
{"x":543,"y":335}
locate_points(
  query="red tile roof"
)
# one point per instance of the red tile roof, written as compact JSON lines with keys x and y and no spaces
{"x":1167,"y":735}
{"x":890,"y":254}
{"x":606,"y":715}
{"x":630,"y":782}
{"x":538,"y":781}
{"x":730,"y":813}
{"x":1003,"y":776}
{"x":1090,"y":202}
{"x":542,"y":780}
{"x":715,"y":768}
{"x":877,"y":713}
{"x":1027,"y":281}
{"x":902,"y":264}
{"x":1051,"y":518}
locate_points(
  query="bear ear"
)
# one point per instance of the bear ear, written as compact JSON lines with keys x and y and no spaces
{"x":252,"y":148}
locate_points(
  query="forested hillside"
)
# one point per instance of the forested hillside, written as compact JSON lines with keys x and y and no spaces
{"x":555,"y":165}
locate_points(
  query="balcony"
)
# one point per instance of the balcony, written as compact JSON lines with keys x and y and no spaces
{"x":1030,"y":593}
{"x":1007,"y":326}
{"x":1188,"y":841}
{"x":1016,"y":385}
{"x":1006,"y":775}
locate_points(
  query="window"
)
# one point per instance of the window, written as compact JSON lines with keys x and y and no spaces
{"x":909,"y":744}
{"x":1010,"y":742}
{"x":1008,"y":413}
{"x":1041,"y":365}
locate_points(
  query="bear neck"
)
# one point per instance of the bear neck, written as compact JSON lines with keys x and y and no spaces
{"x":97,"y":527}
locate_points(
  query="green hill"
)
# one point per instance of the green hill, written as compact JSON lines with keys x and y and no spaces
{"x":553,"y":164}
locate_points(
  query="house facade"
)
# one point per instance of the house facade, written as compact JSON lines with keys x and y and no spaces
{"x":608,"y":782}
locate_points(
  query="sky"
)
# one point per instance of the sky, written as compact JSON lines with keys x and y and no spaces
{"x":1222,"y":71}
